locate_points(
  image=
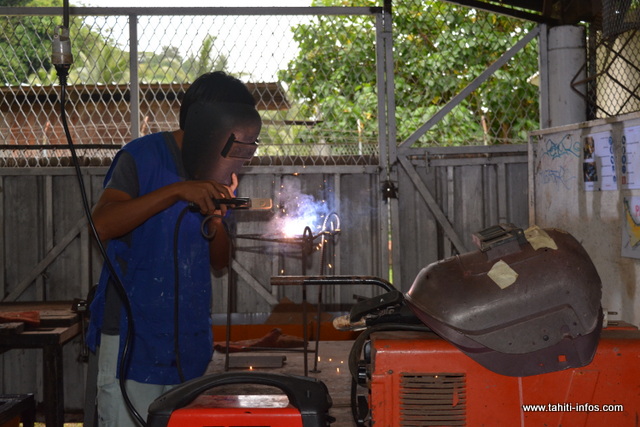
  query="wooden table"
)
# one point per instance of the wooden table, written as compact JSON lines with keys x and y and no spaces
{"x":59,"y":324}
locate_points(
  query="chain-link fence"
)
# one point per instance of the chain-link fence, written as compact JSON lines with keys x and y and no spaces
{"x":453,"y":45}
{"x":314,"y":72}
{"x":118,"y":91}
{"x":613,"y":57}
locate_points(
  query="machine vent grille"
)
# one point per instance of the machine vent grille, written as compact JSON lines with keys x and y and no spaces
{"x":433,"y":399}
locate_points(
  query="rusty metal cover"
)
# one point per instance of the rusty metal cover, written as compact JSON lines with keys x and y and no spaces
{"x":536,"y":296}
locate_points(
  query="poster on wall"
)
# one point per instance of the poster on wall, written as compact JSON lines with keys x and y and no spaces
{"x":598,"y":165}
{"x":589,"y":169}
{"x":631,"y":227}
{"x":630,"y":159}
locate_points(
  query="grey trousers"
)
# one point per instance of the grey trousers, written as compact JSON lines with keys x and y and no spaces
{"x":111,"y":408}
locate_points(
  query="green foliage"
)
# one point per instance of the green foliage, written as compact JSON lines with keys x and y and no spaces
{"x":96,"y":59}
{"x":25,"y":53}
{"x":22,"y":52}
{"x":439,"y":48}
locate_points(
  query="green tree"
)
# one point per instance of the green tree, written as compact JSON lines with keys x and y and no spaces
{"x":439,"y":48}
{"x":97,"y":59}
{"x":206,"y":60}
{"x":169,"y":66}
{"x":22,"y":51}
{"x":25,"y":46}
{"x":25,"y":53}
{"x":164,"y":67}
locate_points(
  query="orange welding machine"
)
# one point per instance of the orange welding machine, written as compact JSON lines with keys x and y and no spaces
{"x":512,"y":334}
{"x":419,"y":379}
{"x":305,"y":403}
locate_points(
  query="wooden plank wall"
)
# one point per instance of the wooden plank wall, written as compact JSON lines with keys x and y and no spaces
{"x":474,"y":189}
{"x":40,"y":208}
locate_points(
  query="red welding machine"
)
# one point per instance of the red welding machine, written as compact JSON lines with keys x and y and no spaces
{"x":508,"y":335}
{"x":419,"y":379}
{"x":305,"y":403}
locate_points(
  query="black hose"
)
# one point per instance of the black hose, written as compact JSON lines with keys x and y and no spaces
{"x":176,"y":295}
{"x":117,"y":282}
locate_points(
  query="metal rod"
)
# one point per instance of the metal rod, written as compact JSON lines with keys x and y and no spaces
{"x":229,"y":298}
{"x":134,"y":84}
{"x":186,"y":11}
{"x":294,"y":240}
{"x":330,"y":226}
{"x":331,"y":280}
{"x":319,"y":305}
{"x":305,"y":332}
{"x":65,"y":13}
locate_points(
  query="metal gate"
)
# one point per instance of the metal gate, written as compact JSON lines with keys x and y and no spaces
{"x":445,"y":195}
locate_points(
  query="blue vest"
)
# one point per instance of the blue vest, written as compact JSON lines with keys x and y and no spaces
{"x":149,"y":280}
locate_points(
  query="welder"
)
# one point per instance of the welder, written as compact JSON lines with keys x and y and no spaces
{"x":158,"y":249}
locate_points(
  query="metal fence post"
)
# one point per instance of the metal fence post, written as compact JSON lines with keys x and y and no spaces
{"x":134,"y":81}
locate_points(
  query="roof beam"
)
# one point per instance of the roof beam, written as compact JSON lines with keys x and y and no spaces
{"x":504,"y":10}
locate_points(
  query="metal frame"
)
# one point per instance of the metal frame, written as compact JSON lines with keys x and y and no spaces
{"x":387,"y":123}
{"x":404,"y":152}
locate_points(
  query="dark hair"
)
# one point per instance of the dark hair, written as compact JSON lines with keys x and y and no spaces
{"x":215,"y":86}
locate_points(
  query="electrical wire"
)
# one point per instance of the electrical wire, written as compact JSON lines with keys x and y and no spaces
{"x":117,"y":282}
{"x":62,"y":58}
{"x":203,"y":226}
{"x":119,"y":286}
{"x":176,"y":294}
{"x":176,"y":281}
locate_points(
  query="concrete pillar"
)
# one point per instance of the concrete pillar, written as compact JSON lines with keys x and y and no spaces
{"x":563,"y":62}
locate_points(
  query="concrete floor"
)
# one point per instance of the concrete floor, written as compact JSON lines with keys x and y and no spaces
{"x":332,"y":369}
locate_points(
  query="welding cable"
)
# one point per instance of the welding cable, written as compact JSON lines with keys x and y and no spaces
{"x":176,"y":281}
{"x":117,"y":282}
{"x":359,"y":342}
{"x":176,"y":294}
{"x":203,"y":226}
{"x":209,"y":235}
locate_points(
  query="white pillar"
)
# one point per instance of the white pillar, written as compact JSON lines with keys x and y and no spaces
{"x":563,"y":62}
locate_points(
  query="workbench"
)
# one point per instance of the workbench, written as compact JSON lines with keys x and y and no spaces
{"x":59,"y":324}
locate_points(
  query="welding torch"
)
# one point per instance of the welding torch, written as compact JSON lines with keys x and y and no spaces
{"x":247,"y":203}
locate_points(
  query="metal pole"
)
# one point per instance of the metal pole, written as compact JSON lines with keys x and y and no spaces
{"x":134,"y":81}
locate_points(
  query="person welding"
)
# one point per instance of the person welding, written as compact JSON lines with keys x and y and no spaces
{"x":156,"y":194}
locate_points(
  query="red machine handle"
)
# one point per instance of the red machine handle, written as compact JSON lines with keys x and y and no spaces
{"x":309,"y":395}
